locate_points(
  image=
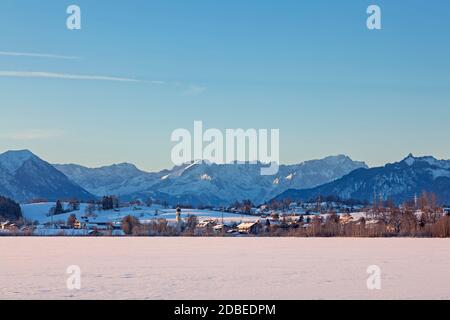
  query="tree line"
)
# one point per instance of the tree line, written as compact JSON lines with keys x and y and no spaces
{"x":9,"y":210}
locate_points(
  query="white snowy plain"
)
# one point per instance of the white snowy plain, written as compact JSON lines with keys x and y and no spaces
{"x":224,"y":268}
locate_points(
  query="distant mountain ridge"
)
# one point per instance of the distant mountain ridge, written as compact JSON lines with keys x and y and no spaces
{"x":208,"y":184}
{"x":118,"y":179}
{"x":24,"y":176}
{"x":398,"y":182}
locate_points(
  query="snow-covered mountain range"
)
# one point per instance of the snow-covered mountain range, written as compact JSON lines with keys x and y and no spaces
{"x":118,"y":179}
{"x":399,"y":182}
{"x":24,"y":176}
{"x":200,"y":183}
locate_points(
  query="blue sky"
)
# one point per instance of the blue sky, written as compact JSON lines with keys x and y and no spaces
{"x":310,"y":68}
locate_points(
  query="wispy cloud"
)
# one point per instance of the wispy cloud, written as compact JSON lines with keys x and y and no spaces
{"x":192,"y":90}
{"x":31,"y":134}
{"x":68,"y":76}
{"x":195,"y":90}
{"x":37,"y":55}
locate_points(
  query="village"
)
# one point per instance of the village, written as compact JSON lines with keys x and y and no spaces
{"x":313,"y":218}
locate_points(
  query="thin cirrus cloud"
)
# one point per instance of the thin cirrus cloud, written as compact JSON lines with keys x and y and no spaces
{"x":55,"y":75}
{"x":37,"y":55}
{"x":191,"y":90}
{"x":31,"y":134}
{"x":68,"y":76}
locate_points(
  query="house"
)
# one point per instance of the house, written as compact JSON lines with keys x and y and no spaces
{"x":345,"y":218}
{"x":298,"y":211}
{"x":95,"y":233}
{"x":391,"y":229}
{"x":249,"y":228}
{"x":293,"y":205}
{"x":3,"y":225}
{"x":206,"y":224}
{"x":373,"y":223}
{"x":7,"y":226}
{"x":274,"y":222}
{"x":221,"y":228}
{"x":77,"y":224}
{"x":232,"y":232}
{"x":307,"y":218}
{"x":99,"y":225}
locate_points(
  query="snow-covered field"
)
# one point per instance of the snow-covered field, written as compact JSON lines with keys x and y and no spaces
{"x":224,"y":268}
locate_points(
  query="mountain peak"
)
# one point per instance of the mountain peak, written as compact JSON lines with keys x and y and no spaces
{"x":432,"y":161}
{"x":398,"y":182}
{"x":125,"y":165}
{"x":14,"y":159}
{"x":24,"y":152}
{"x":410,"y":159}
{"x":25,"y":177}
{"x":125,"y":168}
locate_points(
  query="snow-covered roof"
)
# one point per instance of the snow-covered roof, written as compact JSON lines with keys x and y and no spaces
{"x":246,"y":225}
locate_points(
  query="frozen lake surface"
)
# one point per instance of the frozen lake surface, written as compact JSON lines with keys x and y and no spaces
{"x":224,"y":268}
